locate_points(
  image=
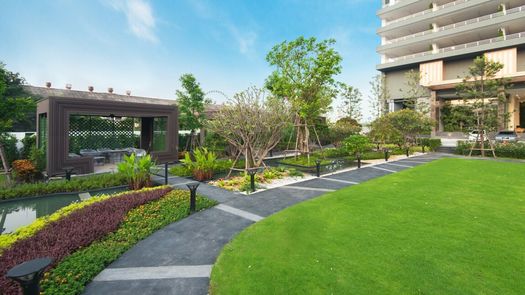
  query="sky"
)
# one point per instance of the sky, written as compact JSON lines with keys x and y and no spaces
{"x":146,"y":45}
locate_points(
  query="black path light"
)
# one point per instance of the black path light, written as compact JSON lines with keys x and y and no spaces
{"x":318,"y":167}
{"x":252,"y":172}
{"x":29,"y":273}
{"x":387,"y":154}
{"x":408,"y":152}
{"x":193,"y":194}
{"x":358,"y":156}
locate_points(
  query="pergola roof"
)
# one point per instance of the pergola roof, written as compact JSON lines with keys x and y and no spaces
{"x":44,"y":93}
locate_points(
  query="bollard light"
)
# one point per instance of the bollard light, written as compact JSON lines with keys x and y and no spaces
{"x":318,"y":167}
{"x":387,"y":155}
{"x":408,"y":152}
{"x":423,"y":148}
{"x":252,"y":172}
{"x":193,"y":194}
{"x":358,"y":155}
{"x":29,"y":273}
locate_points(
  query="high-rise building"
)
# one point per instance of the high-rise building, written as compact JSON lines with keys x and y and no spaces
{"x":440,"y":39}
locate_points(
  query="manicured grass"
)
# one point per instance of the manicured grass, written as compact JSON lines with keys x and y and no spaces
{"x":449,"y":227}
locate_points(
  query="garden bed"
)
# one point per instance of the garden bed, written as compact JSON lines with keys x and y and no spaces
{"x":85,"y":237}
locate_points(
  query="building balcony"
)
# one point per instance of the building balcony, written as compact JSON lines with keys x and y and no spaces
{"x":478,"y":21}
{"x":455,"y":50}
{"x":427,"y":11}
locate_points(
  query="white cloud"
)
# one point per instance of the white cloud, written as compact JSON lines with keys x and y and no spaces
{"x":245,"y":40}
{"x":140,"y":18}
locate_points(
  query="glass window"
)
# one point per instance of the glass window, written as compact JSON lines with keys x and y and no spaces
{"x":160,"y":128}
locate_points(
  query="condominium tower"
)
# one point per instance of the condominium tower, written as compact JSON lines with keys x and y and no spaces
{"x":440,"y":39}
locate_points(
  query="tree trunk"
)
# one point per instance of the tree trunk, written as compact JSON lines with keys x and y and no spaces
{"x":5,"y":163}
{"x":250,"y":163}
{"x":303,"y":136}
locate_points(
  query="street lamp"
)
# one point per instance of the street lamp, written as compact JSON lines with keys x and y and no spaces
{"x":29,"y":273}
{"x":193,"y":194}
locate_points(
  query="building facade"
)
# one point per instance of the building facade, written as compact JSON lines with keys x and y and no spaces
{"x":440,"y":39}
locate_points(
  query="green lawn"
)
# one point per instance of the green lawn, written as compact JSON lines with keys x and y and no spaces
{"x":449,"y":227}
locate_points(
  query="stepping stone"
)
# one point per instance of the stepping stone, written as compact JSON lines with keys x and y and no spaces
{"x":84,"y":196}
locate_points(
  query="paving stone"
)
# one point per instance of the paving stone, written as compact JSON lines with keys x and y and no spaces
{"x":193,"y":286}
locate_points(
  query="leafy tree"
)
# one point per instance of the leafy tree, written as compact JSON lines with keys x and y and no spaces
{"x":343,"y":128}
{"x":458,"y":117}
{"x":14,"y":105}
{"x":483,"y":91}
{"x":191,"y":102}
{"x":357,"y":144}
{"x":352,"y":98}
{"x":382,"y":132}
{"x":379,"y":95}
{"x":252,"y":123}
{"x":304,"y":76}
{"x":410,"y":124}
{"x":415,"y":95}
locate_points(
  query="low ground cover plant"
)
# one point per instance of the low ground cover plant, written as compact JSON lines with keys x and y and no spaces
{"x":77,"y":230}
{"x":72,"y":274}
{"x":74,"y":185}
{"x":242,"y":182}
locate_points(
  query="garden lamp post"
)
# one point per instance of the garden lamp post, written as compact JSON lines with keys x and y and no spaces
{"x":387,"y":154}
{"x":193,"y":194}
{"x":318,"y":167}
{"x":358,"y":156}
{"x":29,"y":273}
{"x":252,"y":172}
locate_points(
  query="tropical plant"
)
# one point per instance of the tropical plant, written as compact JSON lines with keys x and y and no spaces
{"x":137,"y":170}
{"x":204,"y":164}
{"x":38,"y":157}
{"x":357,"y":144}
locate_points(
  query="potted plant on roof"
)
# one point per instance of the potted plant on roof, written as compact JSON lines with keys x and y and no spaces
{"x":203,"y":164}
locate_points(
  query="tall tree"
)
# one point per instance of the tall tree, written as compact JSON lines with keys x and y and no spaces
{"x":410,"y":124}
{"x":416,"y":96}
{"x":483,"y":90}
{"x":191,"y":101}
{"x":304,"y":75}
{"x":351,"y":101}
{"x":14,"y":105}
{"x":379,"y":95}
{"x":252,"y":123}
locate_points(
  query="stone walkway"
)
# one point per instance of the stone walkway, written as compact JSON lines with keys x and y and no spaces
{"x":178,"y":258}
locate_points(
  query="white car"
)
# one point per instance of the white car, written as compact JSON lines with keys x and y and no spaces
{"x":474,"y":135}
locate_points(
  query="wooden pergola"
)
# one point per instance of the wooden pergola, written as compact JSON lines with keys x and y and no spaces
{"x":57,"y":106}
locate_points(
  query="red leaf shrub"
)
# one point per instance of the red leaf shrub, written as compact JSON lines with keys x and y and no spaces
{"x":74,"y":231}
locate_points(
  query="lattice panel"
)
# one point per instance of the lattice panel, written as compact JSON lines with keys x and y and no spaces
{"x":93,"y":132}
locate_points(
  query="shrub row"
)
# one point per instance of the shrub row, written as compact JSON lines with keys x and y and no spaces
{"x":77,"y":270}
{"x":508,"y":150}
{"x":75,"y":184}
{"x":77,"y":230}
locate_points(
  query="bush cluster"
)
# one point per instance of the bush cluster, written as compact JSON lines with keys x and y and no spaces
{"x":432,"y":143}
{"x":77,"y":230}
{"x":507,"y":150}
{"x":77,"y":270}
{"x":74,"y":185}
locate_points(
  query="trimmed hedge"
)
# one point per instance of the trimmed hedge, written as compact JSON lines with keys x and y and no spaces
{"x":508,"y":150}
{"x":73,"y":273}
{"x":77,"y":230}
{"x":74,"y":185}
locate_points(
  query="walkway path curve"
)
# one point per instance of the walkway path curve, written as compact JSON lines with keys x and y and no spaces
{"x":178,"y":258}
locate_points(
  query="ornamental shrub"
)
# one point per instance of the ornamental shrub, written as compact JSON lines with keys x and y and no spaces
{"x":24,"y":170}
{"x":76,"y":184}
{"x":432,"y":143}
{"x":77,"y":230}
{"x":357,"y":144}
